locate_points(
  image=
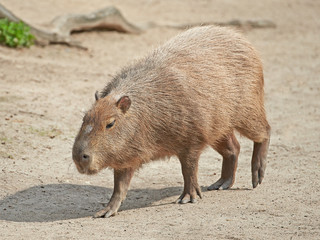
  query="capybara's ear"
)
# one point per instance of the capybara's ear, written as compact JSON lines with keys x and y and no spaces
{"x":124,"y":103}
{"x":96,"y":95}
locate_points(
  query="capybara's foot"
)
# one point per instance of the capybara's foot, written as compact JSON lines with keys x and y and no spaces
{"x":257,"y":174}
{"x":109,"y":211}
{"x":189,"y":196}
{"x":221,"y":183}
{"x":259,"y":161}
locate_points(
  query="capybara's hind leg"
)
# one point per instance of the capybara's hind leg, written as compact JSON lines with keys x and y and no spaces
{"x":259,"y":133}
{"x":259,"y":159}
{"x":229,"y":148}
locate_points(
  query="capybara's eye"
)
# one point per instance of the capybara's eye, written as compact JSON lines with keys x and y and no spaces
{"x":110,"y":125}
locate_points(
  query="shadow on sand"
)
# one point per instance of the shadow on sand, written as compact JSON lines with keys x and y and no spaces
{"x":53,"y":202}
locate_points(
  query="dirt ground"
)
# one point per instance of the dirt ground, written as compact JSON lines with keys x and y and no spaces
{"x":44,"y":92}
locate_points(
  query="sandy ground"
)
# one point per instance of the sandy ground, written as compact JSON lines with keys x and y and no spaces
{"x":44,"y":92}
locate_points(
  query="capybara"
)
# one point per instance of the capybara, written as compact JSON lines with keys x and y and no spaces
{"x":195,"y":90}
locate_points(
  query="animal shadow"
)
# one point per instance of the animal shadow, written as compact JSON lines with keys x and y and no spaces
{"x":54,"y":202}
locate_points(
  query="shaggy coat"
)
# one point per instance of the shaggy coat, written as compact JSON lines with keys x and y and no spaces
{"x":194,"y":91}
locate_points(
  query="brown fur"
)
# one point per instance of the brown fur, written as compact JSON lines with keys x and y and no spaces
{"x":194,"y":91}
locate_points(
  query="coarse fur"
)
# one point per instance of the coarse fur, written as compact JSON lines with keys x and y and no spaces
{"x":193,"y":91}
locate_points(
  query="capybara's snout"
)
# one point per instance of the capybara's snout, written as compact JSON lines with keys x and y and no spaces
{"x":81,"y":157}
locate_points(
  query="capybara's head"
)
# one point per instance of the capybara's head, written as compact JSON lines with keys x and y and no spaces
{"x":102,"y":136}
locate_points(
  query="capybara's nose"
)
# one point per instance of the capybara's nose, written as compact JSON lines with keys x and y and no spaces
{"x":85,"y":158}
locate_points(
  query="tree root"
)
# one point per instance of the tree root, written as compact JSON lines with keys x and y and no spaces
{"x":60,"y":29}
{"x":235,"y":23}
{"x":109,"y":18}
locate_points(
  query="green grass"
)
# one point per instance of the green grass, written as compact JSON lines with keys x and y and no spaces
{"x":14,"y":34}
{"x":52,"y":132}
{"x":3,"y":139}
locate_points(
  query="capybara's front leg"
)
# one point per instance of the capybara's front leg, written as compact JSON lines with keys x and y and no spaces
{"x":189,"y":165}
{"x":122,"y":180}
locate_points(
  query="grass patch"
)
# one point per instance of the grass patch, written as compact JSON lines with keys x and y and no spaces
{"x":15,"y":34}
{"x":4,"y":139}
{"x":51,"y":133}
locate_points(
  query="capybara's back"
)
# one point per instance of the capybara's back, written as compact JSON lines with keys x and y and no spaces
{"x":193,"y":91}
{"x":217,"y":75}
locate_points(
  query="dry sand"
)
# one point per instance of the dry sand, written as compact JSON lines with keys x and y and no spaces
{"x":44,"y":92}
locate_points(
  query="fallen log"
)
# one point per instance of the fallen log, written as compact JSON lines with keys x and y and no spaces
{"x":109,"y":18}
{"x":60,"y":29}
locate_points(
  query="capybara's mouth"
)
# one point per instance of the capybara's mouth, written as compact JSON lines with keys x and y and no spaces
{"x":86,"y":171}
{"x":91,"y":171}
{"x":80,"y":169}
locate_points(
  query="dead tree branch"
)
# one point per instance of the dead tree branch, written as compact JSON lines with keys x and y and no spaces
{"x":109,"y":18}
{"x":60,"y":29}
